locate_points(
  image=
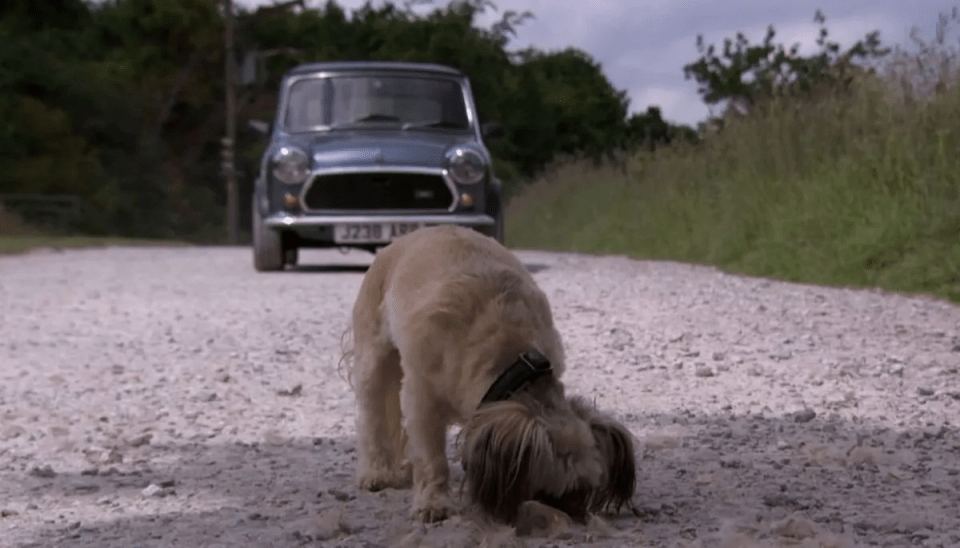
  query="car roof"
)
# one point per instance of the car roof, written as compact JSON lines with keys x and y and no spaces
{"x":307,"y":68}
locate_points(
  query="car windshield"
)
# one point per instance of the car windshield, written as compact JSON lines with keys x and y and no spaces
{"x":372,"y":101}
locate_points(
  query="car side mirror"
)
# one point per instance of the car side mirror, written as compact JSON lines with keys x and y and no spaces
{"x":491,"y":130}
{"x":260,"y":126}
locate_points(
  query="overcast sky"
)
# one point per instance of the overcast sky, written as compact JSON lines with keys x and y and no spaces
{"x":642,"y":45}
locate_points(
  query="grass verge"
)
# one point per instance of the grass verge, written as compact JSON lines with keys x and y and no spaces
{"x":22,"y":244}
{"x":856,"y":189}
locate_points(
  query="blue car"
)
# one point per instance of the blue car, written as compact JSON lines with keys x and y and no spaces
{"x":363,"y":152}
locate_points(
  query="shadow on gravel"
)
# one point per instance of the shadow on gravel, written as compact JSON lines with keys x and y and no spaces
{"x":533,"y":268}
{"x":209,"y":495}
{"x":696,"y":473}
{"x":324,"y":268}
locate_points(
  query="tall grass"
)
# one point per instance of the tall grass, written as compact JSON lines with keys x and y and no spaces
{"x":856,"y":188}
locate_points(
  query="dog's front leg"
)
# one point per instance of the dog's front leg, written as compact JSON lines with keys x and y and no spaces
{"x":426,"y":429}
{"x":380,"y":433}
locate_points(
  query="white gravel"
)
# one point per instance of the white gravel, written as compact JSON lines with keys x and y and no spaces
{"x":174,"y":397}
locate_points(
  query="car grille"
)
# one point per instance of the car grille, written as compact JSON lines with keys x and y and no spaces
{"x":378,"y":190}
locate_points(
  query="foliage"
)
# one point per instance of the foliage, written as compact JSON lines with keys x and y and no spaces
{"x":548,"y":103}
{"x":21,"y":244}
{"x":120,"y":102}
{"x":744,"y":74}
{"x":859,"y":188}
{"x":649,"y":130}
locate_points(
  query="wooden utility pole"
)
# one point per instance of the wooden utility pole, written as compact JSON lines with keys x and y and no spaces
{"x":229,"y":141}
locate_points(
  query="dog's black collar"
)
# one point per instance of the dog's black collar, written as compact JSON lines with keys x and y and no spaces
{"x":530,"y":366}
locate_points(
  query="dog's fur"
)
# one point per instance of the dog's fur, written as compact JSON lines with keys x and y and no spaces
{"x":441,"y":313}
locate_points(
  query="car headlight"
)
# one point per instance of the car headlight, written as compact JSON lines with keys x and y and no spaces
{"x":467,"y":167}
{"x":290,"y":165}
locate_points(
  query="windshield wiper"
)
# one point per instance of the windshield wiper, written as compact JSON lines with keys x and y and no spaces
{"x":368,"y":118}
{"x":376,"y":118}
{"x":431,"y":123}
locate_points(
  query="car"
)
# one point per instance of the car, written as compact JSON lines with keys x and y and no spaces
{"x":362,"y":152}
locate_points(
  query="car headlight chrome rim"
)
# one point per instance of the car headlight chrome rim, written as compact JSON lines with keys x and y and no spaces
{"x":290,"y":165}
{"x":466,"y":166}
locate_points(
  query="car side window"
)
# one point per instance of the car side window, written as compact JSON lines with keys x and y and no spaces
{"x":453,"y":110}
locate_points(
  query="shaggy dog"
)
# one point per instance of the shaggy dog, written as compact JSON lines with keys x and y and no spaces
{"x":450,"y":328}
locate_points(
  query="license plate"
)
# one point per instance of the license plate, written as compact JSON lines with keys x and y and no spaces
{"x":371,"y":233}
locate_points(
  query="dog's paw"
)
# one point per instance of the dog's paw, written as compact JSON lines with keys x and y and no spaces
{"x":375,"y":481}
{"x":433,"y":510}
{"x":379,"y":480}
{"x":372,"y":482}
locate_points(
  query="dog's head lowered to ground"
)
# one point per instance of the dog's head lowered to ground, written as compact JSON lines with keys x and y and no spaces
{"x":450,"y":328}
{"x":541,"y":446}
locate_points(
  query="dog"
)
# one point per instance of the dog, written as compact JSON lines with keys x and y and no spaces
{"x":450,"y":328}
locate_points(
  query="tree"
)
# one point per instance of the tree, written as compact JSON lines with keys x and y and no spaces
{"x":744,"y":74}
{"x":547,"y":103}
{"x":32,"y":15}
{"x":649,"y":130}
{"x":119,"y":102}
{"x":568,"y":105}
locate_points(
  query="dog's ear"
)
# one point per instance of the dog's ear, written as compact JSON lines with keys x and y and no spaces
{"x":616,"y":445}
{"x":504,"y":450}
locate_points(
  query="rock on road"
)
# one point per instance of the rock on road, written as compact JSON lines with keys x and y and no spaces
{"x":175,"y":397}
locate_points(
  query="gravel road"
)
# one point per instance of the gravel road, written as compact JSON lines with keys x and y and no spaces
{"x":174,"y":397}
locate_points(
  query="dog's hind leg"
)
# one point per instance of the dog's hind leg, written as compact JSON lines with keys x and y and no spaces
{"x":381,"y":439}
{"x":423,"y":420}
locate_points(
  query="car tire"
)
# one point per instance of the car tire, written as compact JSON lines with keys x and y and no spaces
{"x":496,"y":230}
{"x":290,"y":256}
{"x":268,"y":253}
{"x":498,"y":234}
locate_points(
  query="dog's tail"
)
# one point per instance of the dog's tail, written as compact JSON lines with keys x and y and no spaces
{"x":345,"y":364}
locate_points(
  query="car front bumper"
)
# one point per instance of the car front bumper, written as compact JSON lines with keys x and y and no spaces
{"x":322,"y":230}
{"x":281,"y":221}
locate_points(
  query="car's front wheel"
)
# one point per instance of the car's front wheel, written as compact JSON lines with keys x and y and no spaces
{"x":290,"y":256}
{"x":498,"y":234}
{"x":268,"y":253}
{"x":495,"y":231}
